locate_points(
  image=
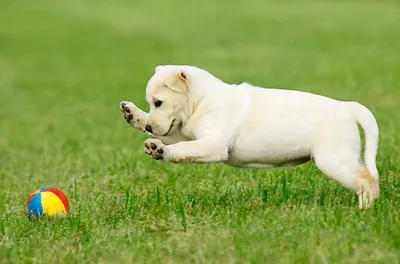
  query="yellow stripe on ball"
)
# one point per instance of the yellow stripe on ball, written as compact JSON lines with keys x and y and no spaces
{"x":52,"y":205}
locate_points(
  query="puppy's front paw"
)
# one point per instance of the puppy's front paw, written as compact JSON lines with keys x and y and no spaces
{"x":127,"y":109}
{"x":133,"y":115}
{"x":155,"y":148}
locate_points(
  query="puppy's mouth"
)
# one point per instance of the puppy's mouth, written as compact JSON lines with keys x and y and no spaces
{"x":170,"y":127}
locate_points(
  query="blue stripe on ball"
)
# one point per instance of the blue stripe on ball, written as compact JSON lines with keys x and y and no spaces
{"x":35,"y":207}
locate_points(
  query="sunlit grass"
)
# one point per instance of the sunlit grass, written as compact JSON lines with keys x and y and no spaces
{"x":66,"y":65}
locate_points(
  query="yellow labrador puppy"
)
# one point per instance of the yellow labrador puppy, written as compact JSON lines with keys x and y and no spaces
{"x":196,"y":117}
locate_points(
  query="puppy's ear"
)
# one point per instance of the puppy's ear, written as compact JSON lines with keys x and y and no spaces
{"x":159,"y":67}
{"x":178,"y":82}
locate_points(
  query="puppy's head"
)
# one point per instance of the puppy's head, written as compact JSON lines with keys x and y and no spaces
{"x":166,"y":94}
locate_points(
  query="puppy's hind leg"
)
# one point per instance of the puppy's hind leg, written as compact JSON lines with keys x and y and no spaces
{"x":368,"y":187}
{"x":340,"y":160}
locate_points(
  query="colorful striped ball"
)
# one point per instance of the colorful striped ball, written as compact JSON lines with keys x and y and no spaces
{"x":48,"y":201}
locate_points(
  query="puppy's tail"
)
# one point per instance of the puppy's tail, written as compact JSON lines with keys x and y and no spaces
{"x":368,"y":122}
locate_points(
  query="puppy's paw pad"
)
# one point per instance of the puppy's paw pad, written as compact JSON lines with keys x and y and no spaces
{"x":128,"y":109}
{"x":154,"y":148}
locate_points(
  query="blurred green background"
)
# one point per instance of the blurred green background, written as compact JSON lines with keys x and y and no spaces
{"x":66,"y":65}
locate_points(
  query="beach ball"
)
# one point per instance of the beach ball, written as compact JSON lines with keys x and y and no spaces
{"x":48,"y":201}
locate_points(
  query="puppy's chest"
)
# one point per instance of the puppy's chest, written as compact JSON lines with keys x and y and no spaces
{"x":188,"y":132}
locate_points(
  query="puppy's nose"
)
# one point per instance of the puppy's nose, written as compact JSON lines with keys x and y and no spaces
{"x":148,"y":129}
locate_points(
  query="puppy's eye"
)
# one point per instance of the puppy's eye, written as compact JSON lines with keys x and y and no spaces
{"x":158,"y":103}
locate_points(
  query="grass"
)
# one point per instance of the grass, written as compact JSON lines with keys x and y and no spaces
{"x":65,"y":66}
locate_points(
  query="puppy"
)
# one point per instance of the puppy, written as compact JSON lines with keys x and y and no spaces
{"x":196,"y":117}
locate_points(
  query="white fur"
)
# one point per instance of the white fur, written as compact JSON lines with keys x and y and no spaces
{"x":248,"y":126}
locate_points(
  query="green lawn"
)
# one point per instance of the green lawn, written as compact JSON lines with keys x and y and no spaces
{"x":66,"y":65}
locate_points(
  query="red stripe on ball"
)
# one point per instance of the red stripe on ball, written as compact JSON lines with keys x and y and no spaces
{"x":60,"y":195}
